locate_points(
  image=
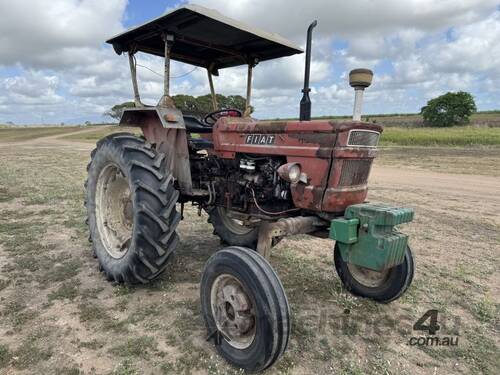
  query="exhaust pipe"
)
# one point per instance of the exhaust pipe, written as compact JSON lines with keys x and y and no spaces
{"x":305,"y":102}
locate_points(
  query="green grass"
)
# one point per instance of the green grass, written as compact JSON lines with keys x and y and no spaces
{"x":5,"y":355}
{"x":65,"y":291}
{"x":140,"y":347}
{"x":29,"y":354}
{"x":455,"y":136}
{"x":491,"y":118}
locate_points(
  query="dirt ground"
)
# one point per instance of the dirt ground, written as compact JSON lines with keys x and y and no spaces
{"x":58,"y":315}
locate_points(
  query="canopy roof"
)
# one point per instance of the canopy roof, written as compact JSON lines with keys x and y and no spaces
{"x":204,"y":37}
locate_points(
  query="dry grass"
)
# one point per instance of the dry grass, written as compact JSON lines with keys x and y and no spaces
{"x":99,"y":133}
{"x":470,"y":160}
{"x":19,"y":133}
{"x":59,"y":315}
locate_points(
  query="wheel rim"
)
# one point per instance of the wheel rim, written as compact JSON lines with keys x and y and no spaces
{"x":234,"y":225}
{"x":233,"y":311}
{"x":368,"y":277}
{"x":114,"y":211}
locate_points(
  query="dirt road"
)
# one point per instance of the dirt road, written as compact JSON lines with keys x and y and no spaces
{"x":479,"y":194}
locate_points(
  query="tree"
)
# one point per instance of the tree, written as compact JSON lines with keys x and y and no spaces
{"x":201,"y":105}
{"x":452,"y":108}
{"x":190,"y":105}
{"x":186,"y":103}
{"x":117,"y":110}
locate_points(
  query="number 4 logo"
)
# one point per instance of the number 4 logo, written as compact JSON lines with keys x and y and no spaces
{"x":433,"y":327}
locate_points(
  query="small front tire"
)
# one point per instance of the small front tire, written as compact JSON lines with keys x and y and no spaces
{"x":232,"y":231}
{"x":383,"y":286}
{"x":245,"y":308}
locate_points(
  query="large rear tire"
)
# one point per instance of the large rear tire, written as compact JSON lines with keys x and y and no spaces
{"x":245,"y":308}
{"x":232,"y":231}
{"x":131,"y":213}
{"x":383,"y":286}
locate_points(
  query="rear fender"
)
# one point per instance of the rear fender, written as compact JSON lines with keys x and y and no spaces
{"x":164,"y":127}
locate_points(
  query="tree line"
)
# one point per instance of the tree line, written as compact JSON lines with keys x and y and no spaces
{"x":190,"y":105}
{"x":452,"y":108}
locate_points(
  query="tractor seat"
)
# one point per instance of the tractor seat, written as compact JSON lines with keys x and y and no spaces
{"x":193,"y":125}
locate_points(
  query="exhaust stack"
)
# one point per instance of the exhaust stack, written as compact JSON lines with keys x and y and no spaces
{"x":360,"y":79}
{"x":305,"y":102}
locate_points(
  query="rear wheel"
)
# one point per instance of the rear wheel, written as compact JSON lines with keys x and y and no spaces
{"x":245,"y":308}
{"x":232,"y":231}
{"x":131,"y":213}
{"x":385,"y":286}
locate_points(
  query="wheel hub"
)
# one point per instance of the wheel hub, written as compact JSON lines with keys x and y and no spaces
{"x":233,"y":311}
{"x":233,"y":224}
{"x":368,"y":277}
{"x":114,"y":211}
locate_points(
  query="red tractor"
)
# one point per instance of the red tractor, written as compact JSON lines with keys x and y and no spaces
{"x":258,"y":181}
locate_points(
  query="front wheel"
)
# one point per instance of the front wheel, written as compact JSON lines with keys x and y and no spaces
{"x":245,"y":308}
{"x":232,"y":231}
{"x":385,"y":286}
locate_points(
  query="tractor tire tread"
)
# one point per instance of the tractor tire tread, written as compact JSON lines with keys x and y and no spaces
{"x":154,"y":237}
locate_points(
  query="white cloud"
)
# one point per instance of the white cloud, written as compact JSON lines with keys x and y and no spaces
{"x":54,"y":59}
{"x":56,"y":33}
{"x":354,"y":17}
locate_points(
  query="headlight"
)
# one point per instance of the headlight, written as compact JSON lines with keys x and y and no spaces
{"x":290,"y":172}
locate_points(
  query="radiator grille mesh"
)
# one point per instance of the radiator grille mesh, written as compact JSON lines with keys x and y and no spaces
{"x":363,"y":138}
{"x":354,"y":172}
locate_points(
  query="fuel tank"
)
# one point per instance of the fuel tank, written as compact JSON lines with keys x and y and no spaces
{"x":335,"y":156}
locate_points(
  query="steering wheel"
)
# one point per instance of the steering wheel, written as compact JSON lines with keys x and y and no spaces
{"x":212,"y":117}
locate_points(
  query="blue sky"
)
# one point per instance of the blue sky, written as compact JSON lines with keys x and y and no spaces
{"x":54,"y":66}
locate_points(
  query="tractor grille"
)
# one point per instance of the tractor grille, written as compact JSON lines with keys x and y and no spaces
{"x":355,"y":172}
{"x":363,"y":138}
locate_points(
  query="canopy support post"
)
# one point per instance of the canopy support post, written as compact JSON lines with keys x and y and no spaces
{"x":166,"y":100}
{"x":133,"y":74}
{"x":212,"y":90}
{"x":248,"y":108}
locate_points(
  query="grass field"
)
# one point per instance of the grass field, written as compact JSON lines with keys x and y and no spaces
{"x":487,"y":118}
{"x":457,"y":160}
{"x":455,"y":136}
{"x":58,"y":315}
{"x":100,"y":132}
{"x":20,"y":133}
{"x":392,"y":136}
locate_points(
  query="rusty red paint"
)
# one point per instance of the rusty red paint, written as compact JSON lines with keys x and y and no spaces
{"x":319,"y":146}
{"x":172,"y":141}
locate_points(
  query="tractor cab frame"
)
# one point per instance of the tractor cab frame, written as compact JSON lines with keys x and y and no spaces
{"x":204,"y":38}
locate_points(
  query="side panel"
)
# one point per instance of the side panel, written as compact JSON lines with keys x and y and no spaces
{"x":308,"y":143}
{"x":165,"y":127}
{"x":351,"y":166}
{"x":337,"y":171}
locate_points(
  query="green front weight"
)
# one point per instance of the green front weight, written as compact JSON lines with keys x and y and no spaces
{"x":366,"y":235}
